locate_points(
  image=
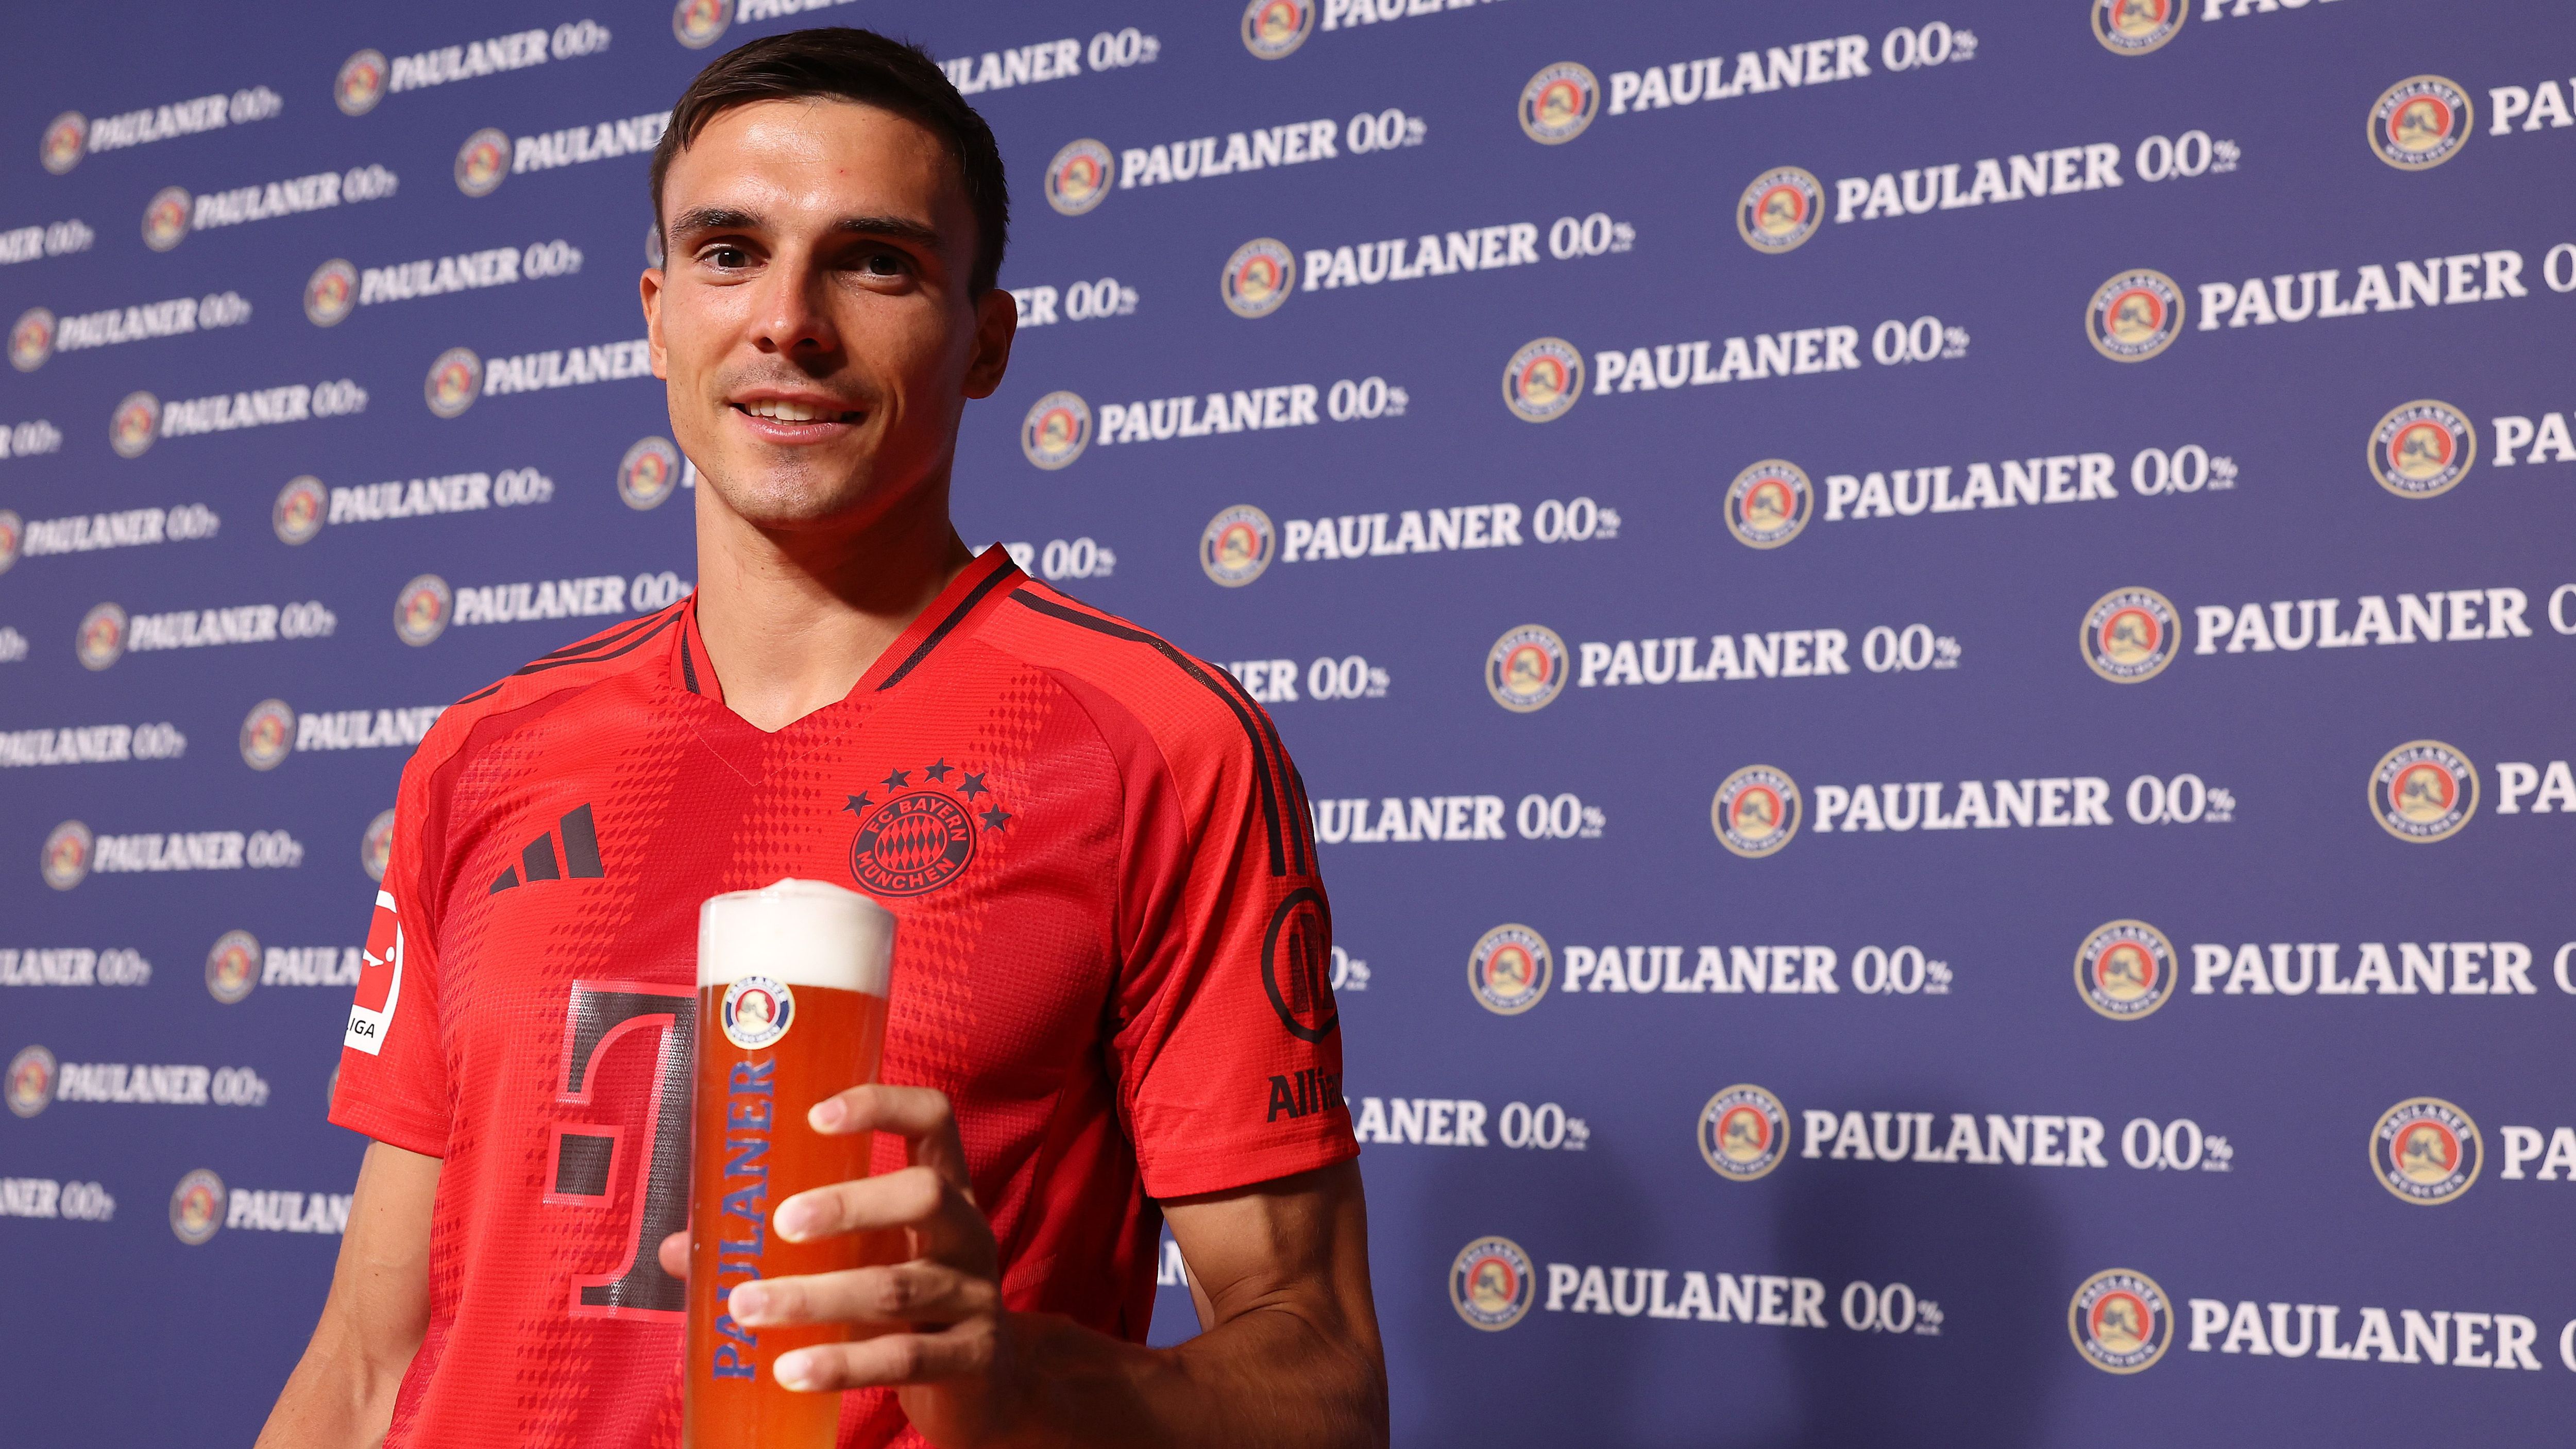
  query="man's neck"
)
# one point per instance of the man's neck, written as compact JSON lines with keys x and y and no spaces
{"x":793,"y":618}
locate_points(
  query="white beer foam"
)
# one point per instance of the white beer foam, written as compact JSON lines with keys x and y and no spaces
{"x":802,"y":932}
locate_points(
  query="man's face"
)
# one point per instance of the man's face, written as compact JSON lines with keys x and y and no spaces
{"x":812,"y":316}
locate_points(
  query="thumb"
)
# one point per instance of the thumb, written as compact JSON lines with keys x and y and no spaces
{"x":675,"y":1255}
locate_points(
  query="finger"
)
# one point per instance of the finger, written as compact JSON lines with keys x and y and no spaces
{"x":917,"y":1292}
{"x":893,"y":1358}
{"x":952,"y":1229}
{"x":675,"y":1255}
{"x":920,"y":1115}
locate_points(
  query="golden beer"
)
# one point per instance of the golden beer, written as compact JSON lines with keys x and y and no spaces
{"x":792,"y":983}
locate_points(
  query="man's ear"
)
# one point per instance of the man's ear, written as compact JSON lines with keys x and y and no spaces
{"x":649,"y":289}
{"x":997,"y":321}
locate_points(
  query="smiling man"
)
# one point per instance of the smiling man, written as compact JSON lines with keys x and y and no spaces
{"x":1110,"y":1007}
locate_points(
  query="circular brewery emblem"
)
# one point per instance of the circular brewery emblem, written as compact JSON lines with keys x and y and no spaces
{"x":2120,"y":1320}
{"x":165,"y":218}
{"x":649,"y":473}
{"x":360,"y":83}
{"x":31,"y":1081}
{"x":2134,"y":27}
{"x":2130,"y":635}
{"x":31,"y":341}
{"x":232,"y":968}
{"x":1743,"y":1132}
{"x":2426,"y":1151}
{"x":1558,"y":103}
{"x":1510,"y":969}
{"x":1543,"y":380}
{"x":100,"y":641}
{"x":1525,"y":670}
{"x":300,"y":509}
{"x":268,"y":734}
{"x":757,"y":1011}
{"x":2420,"y":122}
{"x":912,"y":844}
{"x":1258,"y":277}
{"x":2423,"y":791}
{"x":376,"y":850}
{"x":2134,"y":316}
{"x":1056,"y":430}
{"x":64,"y":142}
{"x":455,"y":381}
{"x":483,"y":162}
{"x":135,"y":423}
{"x":1297,"y":966}
{"x":1491,"y":1283}
{"x":66,"y":857}
{"x":2423,"y":449}
{"x":1274,"y":28}
{"x":330,"y":293}
{"x":698,"y":24}
{"x":1079,"y":177}
{"x":1236,"y":545}
{"x":13,"y":535}
{"x":1756,"y":811}
{"x":422,"y":608}
{"x":2125,"y":970}
{"x":1780,"y":210}
{"x":197,"y":1206}
{"x":1769,"y":503}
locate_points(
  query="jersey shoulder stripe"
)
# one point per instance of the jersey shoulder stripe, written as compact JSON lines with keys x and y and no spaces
{"x":607,"y":654}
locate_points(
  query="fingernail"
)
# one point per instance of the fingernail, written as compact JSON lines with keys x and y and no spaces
{"x":796,"y":1217}
{"x":827,"y":1114}
{"x":748,"y":1303}
{"x":799,"y":1370}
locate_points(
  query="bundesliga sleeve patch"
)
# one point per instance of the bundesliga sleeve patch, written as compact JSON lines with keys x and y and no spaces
{"x":379,"y":980}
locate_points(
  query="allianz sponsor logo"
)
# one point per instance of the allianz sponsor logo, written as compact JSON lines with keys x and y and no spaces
{"x":1065,"y":558}
{"x":567,"y":598}
{"x":1260,"y":409}
{"x":173,"y":213}
{"x":1419,"y":818}
{"x":1276,"y":681}
{"x":1466,"y":1122}
{"x":44,"y":1197}
{"x":89,"y":532}
{"x":2439,"y":281}
{"x":1778,"y":68}
{"x":57,"y":239}
{"x":1082,"y":302}
{"x":1047,"y":60}
{"x":38,"y":335}
{"x":1797,"y":352}
{"x":71,"y":136}
{"x":429,"y":497}
{"x":2059,"y":171}
{"x":107,"y":744}
{"x":1446,"y":530}
{"x":1476,"y":249}
{"x":31,"y":439}
{"x":2046,"y":802}
{"x":73,"y":966}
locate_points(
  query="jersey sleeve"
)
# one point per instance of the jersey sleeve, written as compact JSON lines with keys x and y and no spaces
{"x":393,"y":1082}
{"x":1228,"y":1043}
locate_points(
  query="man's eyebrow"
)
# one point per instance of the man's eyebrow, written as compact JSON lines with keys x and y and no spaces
{"x":714,"y":218}
{"x":897,"y":227}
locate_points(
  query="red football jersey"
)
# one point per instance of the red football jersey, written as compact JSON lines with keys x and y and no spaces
{"x":1111,"y":954}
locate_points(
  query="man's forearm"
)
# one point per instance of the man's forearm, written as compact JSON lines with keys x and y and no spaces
{"x":336,"y":1399}
{"x":1271,"y":1377}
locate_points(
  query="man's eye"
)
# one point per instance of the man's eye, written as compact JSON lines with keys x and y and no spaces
{"x":728,"y":257}
{"x":883,"y":264}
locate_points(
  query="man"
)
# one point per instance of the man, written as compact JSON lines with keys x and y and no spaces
{"x":1107,"y":969}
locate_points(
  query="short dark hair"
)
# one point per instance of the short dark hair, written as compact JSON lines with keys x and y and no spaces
{"x":850,"y":64}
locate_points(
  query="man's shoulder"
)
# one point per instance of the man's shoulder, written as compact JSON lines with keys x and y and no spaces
{"x":618,"y":652}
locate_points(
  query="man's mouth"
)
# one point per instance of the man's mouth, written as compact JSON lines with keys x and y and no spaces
{"x":781,"y":411}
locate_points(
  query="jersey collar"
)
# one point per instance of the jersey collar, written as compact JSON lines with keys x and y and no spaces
{"x":976,"y":589}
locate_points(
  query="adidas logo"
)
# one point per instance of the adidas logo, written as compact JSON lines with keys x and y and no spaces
{"x":580,"y":854}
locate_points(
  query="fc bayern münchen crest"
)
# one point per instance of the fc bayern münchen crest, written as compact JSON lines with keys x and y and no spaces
{"x":134,"y":425}
{"x":197,"y":1207}
{"x":2134,"y":316}
{"x":301,"y":507}
{"x":649,"y":473}
{"x":31,"y":340}
{"x":422,"y":608}
{"x":1769,"y":503}
{"x":2425,"y":1151}
{"x":483,"y":162}
{"x":698,"y":24}
{"x":31,"y":1081}
{"x":921,"y":835}
{"x":1274,"y":28}
{"x":268,"y":734}
{"x":1492,"y":1283}
{"x":1236,"y":546}
{"x":330,"y":293}
{"x":2125,"y":970}
{"x":2423,"y":449}
{"x":1056,"y":430}
{"x":66,"y":857}
{"x":360,"y":83}
{"x":1558,"y":103}
{"x":1258,"y":277}
{"x":2421,"y":122}
{"x":2134,"y":27}
{"x":757,"y":1011}
{"x":232,"y":967}
{"x":455,"y":381}
{"x":13,"y":534}
{"x":1756,"y":811}
{"x":1079,"y":177}
{"x":165,"y":218}
{"x":100,"y":641}
{"x":2120,"y":1320}
{"x":1780,"y":210}
{"x":2130,"y":635}
{"x":1743,"y":1132}
{"x":376,"y":848}
{"x":2423,"y":791}
{"x":65,"y":141}
{"x":1510,"y":969}
{"x":1543,"y":380}
{"x":1525,"y":670}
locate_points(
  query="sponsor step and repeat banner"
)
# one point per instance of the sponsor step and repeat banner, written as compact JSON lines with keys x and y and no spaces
{"x":1992,"y":865}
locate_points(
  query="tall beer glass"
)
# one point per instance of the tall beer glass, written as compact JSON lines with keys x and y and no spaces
{"x":792,"y":985}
